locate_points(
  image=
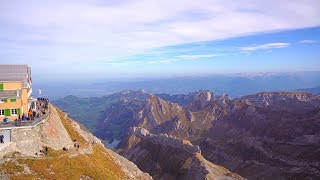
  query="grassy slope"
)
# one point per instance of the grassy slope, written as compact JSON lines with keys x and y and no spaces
{"x":85,"y":110}
{"x":98,"y":165}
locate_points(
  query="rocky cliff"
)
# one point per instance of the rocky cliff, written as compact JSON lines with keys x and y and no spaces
{"x":272,"y":135}
{"x":167,"y":157}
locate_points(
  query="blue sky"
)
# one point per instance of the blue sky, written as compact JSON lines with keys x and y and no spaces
{"x":131,"y":39}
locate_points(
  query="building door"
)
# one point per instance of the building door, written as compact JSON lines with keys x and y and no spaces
{"x":6,"y":134}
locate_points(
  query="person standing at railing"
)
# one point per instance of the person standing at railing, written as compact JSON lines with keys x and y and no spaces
{"x":1,"y":139}
{"x":24,"y":117}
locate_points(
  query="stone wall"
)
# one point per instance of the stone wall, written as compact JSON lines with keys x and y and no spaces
{"x":30,"y":140}
{"x":26,"y":140}
{"x":53,"y":133}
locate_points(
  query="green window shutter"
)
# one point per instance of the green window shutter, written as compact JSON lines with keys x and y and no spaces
{"x":13,"y":100}
{"x":18,"y":111}
{"x":7,"y":112}
{"x":1,"y":87}
{"x":5,"y":100}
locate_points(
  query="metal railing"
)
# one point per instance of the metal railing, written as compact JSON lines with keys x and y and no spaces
{"x":20,"y":123}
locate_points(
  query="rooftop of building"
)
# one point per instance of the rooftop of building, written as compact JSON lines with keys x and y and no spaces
{"x":17,"y":72}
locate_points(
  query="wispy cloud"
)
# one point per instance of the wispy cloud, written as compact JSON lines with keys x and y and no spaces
{"x":198,"y":56}
{"x":265,"y":46}
{"x":162,"y":61}
{"x":82,"y":31}
{"x":308,"y":41}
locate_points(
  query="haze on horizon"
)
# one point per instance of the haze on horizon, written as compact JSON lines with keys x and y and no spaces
{"x":127,"y":39}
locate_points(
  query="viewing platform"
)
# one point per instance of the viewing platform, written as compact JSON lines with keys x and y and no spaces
{"x":30,"y":121}
{"x":20,"y":123}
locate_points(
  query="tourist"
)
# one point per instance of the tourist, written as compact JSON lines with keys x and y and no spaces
{"x":5,"y":120}
{"x":46,"y":150}
{"x":24,"y":117}
{"x":1,"y":139}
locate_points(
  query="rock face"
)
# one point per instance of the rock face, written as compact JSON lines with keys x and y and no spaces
{"x":299,"y":102}
{"x":273,"y":135}
{"x":167,"y":157}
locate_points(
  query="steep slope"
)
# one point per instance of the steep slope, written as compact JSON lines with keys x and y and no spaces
{"x":91,"y":111}
{"x":160,"y":116}
{"x":273,"y":135}
{"x":118,"y":118}
{"x":166,"y":157}
{"x":90,"y":160}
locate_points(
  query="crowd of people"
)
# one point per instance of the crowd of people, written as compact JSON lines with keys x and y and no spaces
{"x":39,"y":111}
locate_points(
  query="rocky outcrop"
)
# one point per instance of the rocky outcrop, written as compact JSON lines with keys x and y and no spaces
{"x":251,"y":135}
{"x":165,"y":140}
{"x":299,"y":102}
{"x":130,"y":169}
{"x":167,"y":157}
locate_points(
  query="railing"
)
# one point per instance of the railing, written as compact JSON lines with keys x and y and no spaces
{"x":20,"y":123}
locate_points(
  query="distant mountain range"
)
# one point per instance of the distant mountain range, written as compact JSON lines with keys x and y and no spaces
{"x":236,"y":85}
{"x":315,"y":90}
{"x":274,"y":135}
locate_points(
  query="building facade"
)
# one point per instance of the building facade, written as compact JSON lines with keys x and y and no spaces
{"x":15,"y":91}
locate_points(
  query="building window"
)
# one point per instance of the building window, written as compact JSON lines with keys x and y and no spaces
{"x":1,"y":112}
{"x":14,"y":112}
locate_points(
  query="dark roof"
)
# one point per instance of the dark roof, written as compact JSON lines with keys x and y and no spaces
{"x":15,"y":73}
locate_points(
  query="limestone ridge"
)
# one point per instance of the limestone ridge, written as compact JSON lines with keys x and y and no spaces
{"x":167,"y":157}
{"x":251,"y":135}
{"x":300,"y":102}
{"x":165,"y":140}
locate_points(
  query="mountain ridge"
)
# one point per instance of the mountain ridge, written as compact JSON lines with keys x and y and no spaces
{"x":264,"y":125}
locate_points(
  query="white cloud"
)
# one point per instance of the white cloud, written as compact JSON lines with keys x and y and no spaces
{"x":197,"y":56}
{"x":82,"y":31}
{"x":265,"y":46}
{"x":163,"y":61}
{"x":308,"y":41}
